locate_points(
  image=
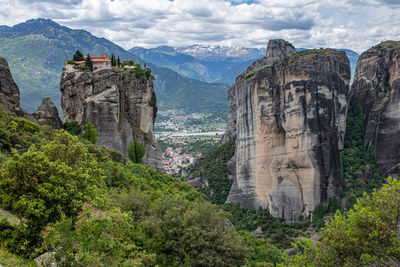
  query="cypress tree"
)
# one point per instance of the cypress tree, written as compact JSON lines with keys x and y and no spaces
{"x":112,"y":60}
{"x":88,"y":63}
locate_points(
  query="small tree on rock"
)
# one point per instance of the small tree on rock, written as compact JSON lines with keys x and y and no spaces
{"x":88,"y":63}
{"x":78,"y":56}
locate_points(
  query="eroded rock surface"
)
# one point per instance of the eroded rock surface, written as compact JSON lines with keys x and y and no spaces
{"x":287,"y":118}
{"x":122,"y":107}
{"x":47,"y":114}
{"x":9,"y":92}
{"x":376,"y":88}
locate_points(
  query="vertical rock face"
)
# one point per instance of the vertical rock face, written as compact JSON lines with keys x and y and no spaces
{"x":376,"y":88}
{"x":121,"y":106}
{"x":287,"y":113}
{"x":9,"y":92}
{"x":47,"y":114}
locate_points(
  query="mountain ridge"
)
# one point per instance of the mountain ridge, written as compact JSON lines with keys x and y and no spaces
{"x":37,"y":49}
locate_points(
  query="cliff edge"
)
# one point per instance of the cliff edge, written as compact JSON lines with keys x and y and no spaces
{"x":287,"y":117}
{"x":9,"y":92}
{"x":376,"y":88}
{"x":121,"y":106}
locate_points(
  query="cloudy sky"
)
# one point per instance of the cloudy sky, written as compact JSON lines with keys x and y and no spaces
{"x":353,"y":24}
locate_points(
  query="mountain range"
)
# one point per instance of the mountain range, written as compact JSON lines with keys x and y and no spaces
{"x":37,"y":49}
{"x":212,"y":63}
{"x":192,"y":78}
{"x":209,"y":63}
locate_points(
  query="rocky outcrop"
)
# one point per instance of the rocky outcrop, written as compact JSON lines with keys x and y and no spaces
{"x":122,"y":107}
{"x":376,"y":88}
{"x":47,"y":114}
{"x":287,"y":118}
{"x":9,"y":92}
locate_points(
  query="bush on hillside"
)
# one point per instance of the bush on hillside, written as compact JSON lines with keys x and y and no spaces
{"x":97,"y":237}
{"x":136,"y":152}
{"x":90,"y":133}
{"x":49,"y":180}
{"x":368,"y":235}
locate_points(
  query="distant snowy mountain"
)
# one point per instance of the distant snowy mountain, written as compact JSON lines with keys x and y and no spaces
{"x":204,"y":62}
{"x":216,"y":52}
{"x":211,"y":63}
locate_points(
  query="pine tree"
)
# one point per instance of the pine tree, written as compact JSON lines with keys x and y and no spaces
{"x":78,"y":56}
{"x":118,"y":62}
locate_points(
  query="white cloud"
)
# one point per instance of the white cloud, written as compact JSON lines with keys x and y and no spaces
{"x":353,"y":24}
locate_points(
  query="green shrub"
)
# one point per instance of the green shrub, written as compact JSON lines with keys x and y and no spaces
{"x":136,"y":152}
{"x":49,"y":180}
{"x":260,"y":252}
{"x":318,"y":216}
{"x":90,"y":133}
{"x":98,"y":237}
{"x":367,"y":235}
{"x":72,"y":127}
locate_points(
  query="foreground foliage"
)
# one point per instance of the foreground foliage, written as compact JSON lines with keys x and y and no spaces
{"x":50,"y":180}
{"x":366,"y":235}
{"x":87,"y":206}
{"x":97,"y":237}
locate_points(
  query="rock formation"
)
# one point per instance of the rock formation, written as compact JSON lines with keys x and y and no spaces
{"x":376,"y":88}
{"x":122,"y":107}
{"x":287,"y":118}
{"x":47,"y":114}
{"x":9,"y":92}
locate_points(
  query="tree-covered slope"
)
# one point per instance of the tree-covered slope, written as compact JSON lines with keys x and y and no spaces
{"x":36,"y":51}
{"x":87,"y":206}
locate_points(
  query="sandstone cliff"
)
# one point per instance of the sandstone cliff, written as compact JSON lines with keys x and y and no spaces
{"x":287,"y":118}
{"x":47,"y":114}
{"x":376,"y":88}
{"x":9,"y":92}
{"x":121,"y":106}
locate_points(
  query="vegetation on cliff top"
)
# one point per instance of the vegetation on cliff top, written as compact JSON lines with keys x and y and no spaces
{"x":315,"y":53}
